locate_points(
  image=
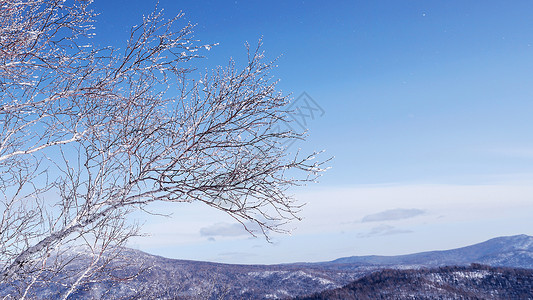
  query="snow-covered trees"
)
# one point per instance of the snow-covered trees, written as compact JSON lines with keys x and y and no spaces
{"x":89,"y":134}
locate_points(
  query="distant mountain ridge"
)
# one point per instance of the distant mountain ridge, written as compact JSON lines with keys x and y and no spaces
{"x":182,"y":279}
{"x":511,"y":251}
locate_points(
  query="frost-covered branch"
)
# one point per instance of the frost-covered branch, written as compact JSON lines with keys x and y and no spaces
{"x":89,"y":134}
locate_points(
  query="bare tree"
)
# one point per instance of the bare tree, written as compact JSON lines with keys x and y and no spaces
{"x":90,"y":134}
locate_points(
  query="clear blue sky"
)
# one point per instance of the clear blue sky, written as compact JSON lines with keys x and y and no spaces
{"x":428,"y":112}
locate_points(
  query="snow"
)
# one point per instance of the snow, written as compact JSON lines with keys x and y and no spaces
{"x":265,"y":274}
{"x":472,"y":275}
{"x":291,"y":275}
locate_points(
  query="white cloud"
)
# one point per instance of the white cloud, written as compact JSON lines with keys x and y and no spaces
{"x":455,"y":216}
{"x":336,"y":208}
{"x":393,"y":214}
{"x":224,"y":229}
{"x":383,"y":230}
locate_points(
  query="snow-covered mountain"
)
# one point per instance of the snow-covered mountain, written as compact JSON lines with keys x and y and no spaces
{"x":163,"y":278}
{"x":511,"y":251}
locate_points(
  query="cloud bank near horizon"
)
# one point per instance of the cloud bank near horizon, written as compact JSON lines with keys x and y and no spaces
{"x":393,"y":214}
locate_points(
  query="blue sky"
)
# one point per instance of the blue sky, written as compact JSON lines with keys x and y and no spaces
{"x":427,"y":107}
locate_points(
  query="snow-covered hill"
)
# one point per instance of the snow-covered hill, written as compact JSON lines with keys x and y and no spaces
{"x":163,"y":278}
{"x":473,"y":282}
